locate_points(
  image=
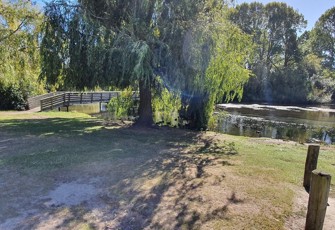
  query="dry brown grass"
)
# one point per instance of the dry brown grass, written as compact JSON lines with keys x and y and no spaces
{"x":143,"y":178}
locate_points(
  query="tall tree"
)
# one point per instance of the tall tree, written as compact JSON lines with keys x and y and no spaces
{"x":318,"y":47}
{"x":145,"y":40}
{"x":74,"y":49}
{"x":273,"y":28}
{"x":19,"y":47}
{"x":283,"y":24}
{"x":147,"y":35}
{"x":323,"y":38}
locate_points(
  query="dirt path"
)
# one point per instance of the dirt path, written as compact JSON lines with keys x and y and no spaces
{"x":297,"y":221}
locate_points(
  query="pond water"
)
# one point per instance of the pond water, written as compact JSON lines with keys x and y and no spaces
{"x":302,"y":124}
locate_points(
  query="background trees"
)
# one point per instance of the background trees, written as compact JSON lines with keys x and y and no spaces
{"x":151,"y":44}
{"x":321,"y":44}
{"x":19,"y":53}
{"x":276,"y":66}
{"x":323,"y":39}
{"x":289,"y":67}
{"x":188,"y":48}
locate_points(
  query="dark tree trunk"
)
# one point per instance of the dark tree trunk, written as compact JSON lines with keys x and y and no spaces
{"x":145,"y":107}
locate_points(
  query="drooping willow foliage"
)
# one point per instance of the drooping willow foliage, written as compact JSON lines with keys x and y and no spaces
{"x":20,"y":25}
{"x":188,"y":45}
{"x":76,"y":51}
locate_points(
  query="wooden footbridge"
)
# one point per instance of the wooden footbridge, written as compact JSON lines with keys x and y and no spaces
{"x":66,"y":99}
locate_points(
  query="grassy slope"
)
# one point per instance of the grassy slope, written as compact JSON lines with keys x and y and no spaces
{"x":264,"y":173}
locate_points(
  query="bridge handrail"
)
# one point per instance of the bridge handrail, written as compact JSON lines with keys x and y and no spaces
{"x":35,"y":101}
{"x":53,"y":101}
{"x":67,"y":98}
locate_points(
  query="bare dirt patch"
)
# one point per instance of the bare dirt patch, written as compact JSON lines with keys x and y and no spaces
{"x":298,"y":219}
{"x":70,"y":174}
{"x":175,"y":180}
{"x":70,"y":194}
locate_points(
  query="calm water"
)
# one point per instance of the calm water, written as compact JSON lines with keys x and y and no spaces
{"x":303,"y":124}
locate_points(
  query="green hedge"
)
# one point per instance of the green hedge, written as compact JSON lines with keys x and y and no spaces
{"x":12,"y":98}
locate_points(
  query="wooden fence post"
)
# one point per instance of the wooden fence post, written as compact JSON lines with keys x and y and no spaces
{"x":318,"y":198}
{"x":311,"y":164}
{"x":52,"y":103}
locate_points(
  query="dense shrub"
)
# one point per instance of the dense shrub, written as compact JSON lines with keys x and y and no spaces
{"x":120,"y":107}
{"x":12,"y":98}
{"x":166,"y":107}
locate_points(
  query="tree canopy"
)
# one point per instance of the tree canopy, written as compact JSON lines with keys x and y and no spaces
{"x":323,"y":36}
{"x":20,"y":25}
{"x":189,"y":45}
{"x":203,"y":50}
{"x":274,"y":29}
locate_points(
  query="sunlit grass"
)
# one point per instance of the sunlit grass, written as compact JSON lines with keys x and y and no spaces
{"x":41,"y":115}
{"x":264,"y":172}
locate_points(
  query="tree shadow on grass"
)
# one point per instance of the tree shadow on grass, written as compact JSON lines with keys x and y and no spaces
{"x":178,"y":200}
{"x":154,"y":180}
{"x":50,"y":126}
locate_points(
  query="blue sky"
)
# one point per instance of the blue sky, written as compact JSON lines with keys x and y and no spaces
{"x":311,"y":9}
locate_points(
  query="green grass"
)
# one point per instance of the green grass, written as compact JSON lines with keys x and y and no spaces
{"x":282,"y":162}
{"x":266,"y":172}
{"x":51,"y":123}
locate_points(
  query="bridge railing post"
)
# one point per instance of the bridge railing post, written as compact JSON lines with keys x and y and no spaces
{"x":52,"y":103}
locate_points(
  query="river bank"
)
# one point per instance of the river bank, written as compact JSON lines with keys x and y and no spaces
{"x":302,"y":124}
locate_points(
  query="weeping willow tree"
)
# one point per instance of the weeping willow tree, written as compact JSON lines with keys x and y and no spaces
{"x":75,"y":50}
{"x":20,"y":25}
{"x":187,"y":45}
{"x":217,"y":53}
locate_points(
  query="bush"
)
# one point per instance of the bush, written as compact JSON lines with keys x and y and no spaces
{"x":12,"y":98}
{"x":166,"y":107}
{"x":120,"y":107}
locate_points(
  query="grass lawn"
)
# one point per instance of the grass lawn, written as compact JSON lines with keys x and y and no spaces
{"x":72,"y":171}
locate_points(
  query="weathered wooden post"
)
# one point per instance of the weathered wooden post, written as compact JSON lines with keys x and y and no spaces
{"x":311,"y":164}
{"x":318,"y":198}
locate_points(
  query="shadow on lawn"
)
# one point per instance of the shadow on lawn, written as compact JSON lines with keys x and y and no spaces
{"x":49,"y":126}
{"x":178,"y":201}
{"x":153,"y":182}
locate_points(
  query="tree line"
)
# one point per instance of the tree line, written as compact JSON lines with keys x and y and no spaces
{"x":289,"y":66}
{"x":202,"y":52}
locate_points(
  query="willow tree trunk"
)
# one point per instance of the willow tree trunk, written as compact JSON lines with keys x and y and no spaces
{"x":145,"y":108}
